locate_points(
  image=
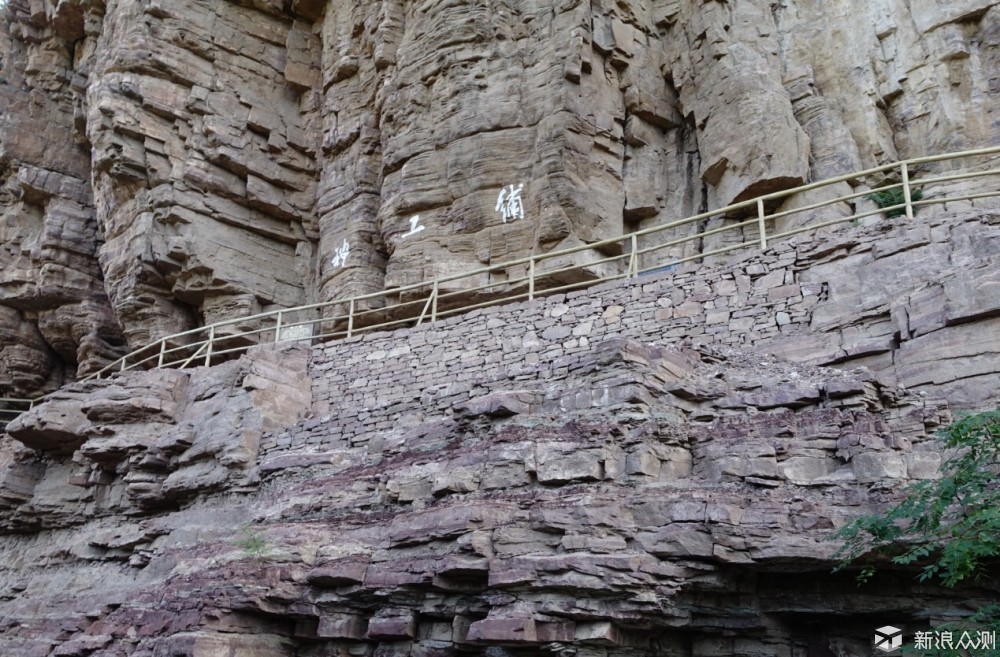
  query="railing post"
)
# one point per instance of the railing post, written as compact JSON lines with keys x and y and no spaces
{"x":531,"y":278}
{"x":350,"y":319}
{"x":208,"y":350}
{"x":905,"y":170}
{"x":124,"y":360}
{"x":163,"y":351}
{"x":760,"y":224}
{"x":434,"y":302}
{"x":277,"y":329}
{"x":633,"y":261}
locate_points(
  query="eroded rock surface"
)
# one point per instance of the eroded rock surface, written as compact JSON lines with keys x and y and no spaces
{"x":162,"y":438}
{"x":630,"y":505}
{"x":55,"y":318}
{"x":168,"y":165}
{"x":528,"y":480}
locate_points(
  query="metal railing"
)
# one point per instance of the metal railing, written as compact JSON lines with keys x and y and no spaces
{"x":642,"y":252}
{"x":10,"y":408}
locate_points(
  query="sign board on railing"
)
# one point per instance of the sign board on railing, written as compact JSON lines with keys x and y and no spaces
{"x":296,"y":332}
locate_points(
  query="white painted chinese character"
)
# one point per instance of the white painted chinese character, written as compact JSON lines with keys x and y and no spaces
{"x":922,"y":640}
{"x":946,"y":640}
{"x":988,"y":640}
{"x":509,"y":204}
{"x":415,"y":226}
{"x":340,"y":259}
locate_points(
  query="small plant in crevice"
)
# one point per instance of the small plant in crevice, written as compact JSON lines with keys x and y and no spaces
{"x":253,"y":544}
{"x":887,"y":198}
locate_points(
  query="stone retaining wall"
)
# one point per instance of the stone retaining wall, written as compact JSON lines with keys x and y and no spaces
{"x":916,"y":303}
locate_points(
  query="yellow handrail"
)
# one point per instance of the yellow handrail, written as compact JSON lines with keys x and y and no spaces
{"x":432,"y":288}
{"x":426,"y":297}
{"x":11,"y":408}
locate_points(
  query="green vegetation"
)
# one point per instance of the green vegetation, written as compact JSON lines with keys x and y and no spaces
{"x":894,"y":196}
{"x":948,"y":527}
{"x":253,"y":544}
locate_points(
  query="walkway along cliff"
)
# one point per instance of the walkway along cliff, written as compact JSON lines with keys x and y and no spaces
{"x":167,"y":165}
{"x":634,"y":469}
{"x":640,"y":467}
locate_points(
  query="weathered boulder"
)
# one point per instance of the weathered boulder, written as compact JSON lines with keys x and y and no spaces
{"x":172,"y":434}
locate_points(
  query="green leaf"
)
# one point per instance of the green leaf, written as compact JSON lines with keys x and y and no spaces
{"x":949,"y":527}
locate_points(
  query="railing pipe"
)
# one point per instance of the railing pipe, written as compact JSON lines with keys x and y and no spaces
{"x":427,"y":307}
{"x":277,"y":327}
{"x":434,"y":302}
{"x":531,"y":278}
{"x":190,"y":359}
{"x":633,"y":261}
{"x":350,"y":319}
{"x":209,"y":345}
{"x":760,"y":224}
{"x":906,"y":189}
{"x":163,"y":352}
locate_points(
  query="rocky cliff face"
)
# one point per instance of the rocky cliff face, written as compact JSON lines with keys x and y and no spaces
{"x":623,"y":502}
{"x":633,"y":470}
{"x":170,"y":164}
{"x":626,"y":470}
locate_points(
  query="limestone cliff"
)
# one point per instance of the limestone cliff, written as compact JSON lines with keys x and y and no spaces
{"x":639,"y":469}
{"x":625,"y":471}
{"x":169,"y":164}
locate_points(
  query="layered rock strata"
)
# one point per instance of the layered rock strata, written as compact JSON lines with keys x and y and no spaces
{"x":628,"y":506}
{"x":55,"y":317}
{"x":168,"y":165}
{"x":601,"y":473}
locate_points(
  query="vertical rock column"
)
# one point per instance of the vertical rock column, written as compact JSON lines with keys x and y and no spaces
{"x":204,"y":168}
{"x":883,"y":81}
{"x":436,"y":116}
{"x":350,"y":246}
{"x":631,"y":46}
{"x":55,"y":318}
{"x":708,"y":120}
{"x":729,"y":75}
